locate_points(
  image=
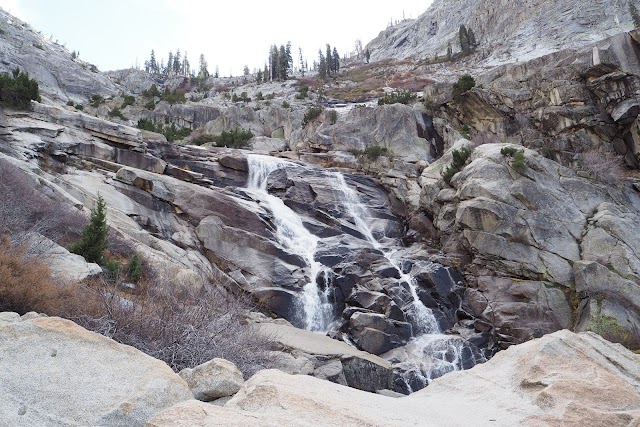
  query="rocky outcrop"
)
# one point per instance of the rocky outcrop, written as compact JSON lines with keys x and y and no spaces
{"x":60,"y":76}
{"x":529,"y":384}
{"x":397,"y":128}
{"x":55,"y":373}
{"x":504,"y":31}
{"x":539,"y":240}
{"x":213,"y":379}
{"x":571,"y":101}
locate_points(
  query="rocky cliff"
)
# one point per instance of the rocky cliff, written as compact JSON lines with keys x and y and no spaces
{"x":60,"y":76}
{"x":505,"y":31}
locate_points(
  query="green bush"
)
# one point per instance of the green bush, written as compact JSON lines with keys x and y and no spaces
{"x":303,"y":92}
{"x":175,"y":97}
{"x":311,"y":114}
{"x":96,"y":101}
{"x":460,"y":158}
{"x":70,"y":103}
{"x":464,"y":84}
{"x":203,"y":139}
{"x":518,"y":161}
{"x":242,"y":98}
{"x":112,"y":270}
{"x":375,"y":151}
{"x":404,"y":97}
{"x":128,"y":100}
{"x":285,"y":104}
{"x":234,"y":139}
{"x":94,"y":242}
{"x":18,"y":90}
{"x":117,"y":113}
{"x":151,"y":92}
{"x":259,"y":96}
{"x":171,"y":132}
{"x":135,"y":268}
{"x":79,"y":107}
{"x":333,"y":117}
{"x":151,"y":105}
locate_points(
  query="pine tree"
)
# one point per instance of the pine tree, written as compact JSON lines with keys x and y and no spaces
{"x":169,"y":64}
{"x":153,"y":64}
{"x":322,"y":65}
{"x":449,"y":52}
{"x":203,"y":71}
{"x":259,"y":77}
{"x":273,"y":62}
{"x":336,"y":60}
{"x":302,"y":68}
{"x":367,"y":55}
{"x":283,"y":63}
{"x":464,"y":39}
{"x":265,"y":74}
{"x":177,"y":62}
{"x":329,"y":60}
{"x":216,"y":74}
{"x":186,"y":67}
{"x":93,"y":242}
{"x":287,"y":51}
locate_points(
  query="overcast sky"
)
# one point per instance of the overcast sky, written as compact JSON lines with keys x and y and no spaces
{"x":115,"y":34}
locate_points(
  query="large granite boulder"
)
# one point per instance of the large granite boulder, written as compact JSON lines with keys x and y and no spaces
{"x":530,"y":384}
{"x":56,"y":373}
{"x":213,"y":379}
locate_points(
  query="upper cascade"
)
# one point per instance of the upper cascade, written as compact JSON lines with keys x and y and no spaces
{"x":505,"y":30}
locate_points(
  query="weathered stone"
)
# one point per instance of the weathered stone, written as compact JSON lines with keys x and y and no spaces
{"x":90,"y":379}
{"x":213,"y":379}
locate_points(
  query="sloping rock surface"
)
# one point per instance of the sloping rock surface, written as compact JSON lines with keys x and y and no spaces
{"x":504,"y":30}
{"x":530,"y":384}
{"x":55,"y":373}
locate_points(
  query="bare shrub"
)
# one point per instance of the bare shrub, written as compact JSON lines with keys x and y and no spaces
{"x":26,"y":283}
{"x":24,"y":209}
{"x":179,"y":325}
{"x":602,"y":165}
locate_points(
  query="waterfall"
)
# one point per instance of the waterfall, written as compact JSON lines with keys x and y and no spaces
{"x":294,"y":238}
{"x":422,"y":317}
{"x":430,"y":354}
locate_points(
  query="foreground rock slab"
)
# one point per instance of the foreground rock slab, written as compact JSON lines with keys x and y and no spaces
{"x":563,"y":379}
{"x":55,"y":373}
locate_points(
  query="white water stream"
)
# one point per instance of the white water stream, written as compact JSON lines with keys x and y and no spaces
{"x":294,"y":238}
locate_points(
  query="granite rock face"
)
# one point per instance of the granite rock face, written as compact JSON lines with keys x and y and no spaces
{"x":531,"y":28}
{"x":59,"y":75}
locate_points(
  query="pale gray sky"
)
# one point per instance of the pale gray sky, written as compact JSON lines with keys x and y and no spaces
{"x":114,"y":34}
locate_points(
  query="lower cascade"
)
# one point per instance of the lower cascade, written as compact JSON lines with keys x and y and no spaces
{"x":360,"y":284}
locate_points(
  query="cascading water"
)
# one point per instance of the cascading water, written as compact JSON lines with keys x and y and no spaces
{"x":422,"y":317}
{"x":294,"y":238}
{"x":432,"y":353}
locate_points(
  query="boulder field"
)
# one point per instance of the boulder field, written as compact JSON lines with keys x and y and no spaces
{"x":55,"y":373}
